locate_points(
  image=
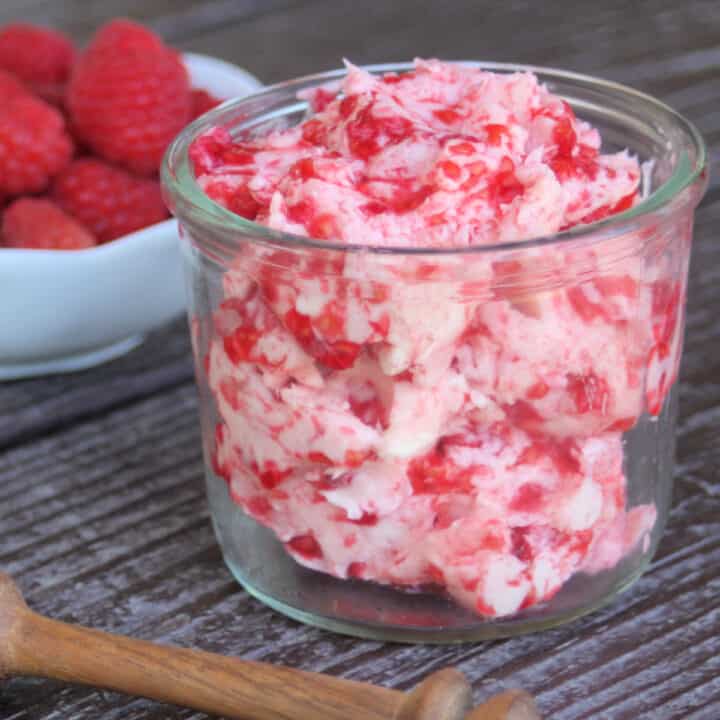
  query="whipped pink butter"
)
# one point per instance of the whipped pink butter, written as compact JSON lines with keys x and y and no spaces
{"x":394,"y":423}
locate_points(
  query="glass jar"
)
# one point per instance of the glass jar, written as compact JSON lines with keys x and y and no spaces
{"x":442,"y":445}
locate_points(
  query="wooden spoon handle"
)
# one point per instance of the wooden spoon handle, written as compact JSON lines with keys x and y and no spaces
{"x":31,"y":644}
{"x":191,"y":678}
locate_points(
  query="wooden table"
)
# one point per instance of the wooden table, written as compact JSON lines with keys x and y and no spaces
{"x":103,"y":519}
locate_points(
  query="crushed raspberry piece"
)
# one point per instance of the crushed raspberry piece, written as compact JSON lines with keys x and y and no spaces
{"x":240,"y":344}
{"x":611,"y":285}
{"x":217,"y":149}
{"x":356,"y":570}
{"x":462,"y":148}
{"x":406,"y":196}
{"x":271,"y":475}
{"x":108,"y":200}
{"x":521,"y":547}
{"x":220,"y":470}
{"x":529,"y":498}
{"x":355,"y":458}
{"x":538,"y":391}
{"x":506,"y":186}
{"x":564,"y":137}
{"x":657,"y":392}
{"x":306,"y":546}
{"x":583,"y":306}
{"x":562,"y":453}
{"x":244,"y":203}
{"x":366,"y":519}
{"x":323,"y":226}
{"x":238,"y":199}
{"x":230,"y":390}
{"x":313,"y":131}
{"x":590,"y":393}
{"x":300,"y":326}
{"x":582,"y":165}
{"x":666,"y":298}
{"x":217,"y":467}
{"x":523,"y":414}
{"x":450,"y":169}
{"x":129,"y":96}
{"x":303,"y":169}
{"x":434,"y":474}
{"x":321,"y":458}
{"x":492,"y":541}
{"x":38,"y":224}
{"x":301,"y":212}
{"x":259,"y":506}
{"x":622,"y":425}
{"x":368,"y":408}
{"x":321,"y":98}
{"x":507,"y":267}
{"x":495,"y":133}
{"x":339,"y":355}
{"x":447,"y":115}
{"x":348,"y":105}
{"x":435,"y":574}
{"x":368,"y":134}
{"x":601,"y":213}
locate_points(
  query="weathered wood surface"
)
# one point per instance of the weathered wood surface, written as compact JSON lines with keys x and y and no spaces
{"x":102,"y":513}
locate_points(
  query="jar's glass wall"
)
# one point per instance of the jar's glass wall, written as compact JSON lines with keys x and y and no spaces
{"x":443,"y":447}
{"x":537,"y":400}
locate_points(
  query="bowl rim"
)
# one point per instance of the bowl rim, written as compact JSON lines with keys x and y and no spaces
{"x":186,"y":199}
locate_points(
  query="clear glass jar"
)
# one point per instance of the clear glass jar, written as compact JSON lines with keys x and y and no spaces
{"x":349,"y":481}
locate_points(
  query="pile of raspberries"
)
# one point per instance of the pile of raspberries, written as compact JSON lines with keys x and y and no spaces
{"x":82,"y":134}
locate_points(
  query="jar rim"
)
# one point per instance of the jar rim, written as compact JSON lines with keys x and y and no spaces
{"x":186,"y":199}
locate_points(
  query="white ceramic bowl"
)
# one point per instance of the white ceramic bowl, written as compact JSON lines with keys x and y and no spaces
{"x":67,"y":310}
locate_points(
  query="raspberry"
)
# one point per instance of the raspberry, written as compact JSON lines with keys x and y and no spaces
{"x":129,"y":95}
{"x":10,"y":86}
{"x":202,"y":102}
{"x":36,"y":223}
{"x":108,"y":200}
{"x":34,"y":144}
{"x":40,"y":57}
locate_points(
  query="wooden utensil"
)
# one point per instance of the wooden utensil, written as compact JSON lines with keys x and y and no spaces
{"x":31,"y":644}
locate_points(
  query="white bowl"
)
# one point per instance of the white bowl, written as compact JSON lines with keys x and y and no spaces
{"x":67,"y":310}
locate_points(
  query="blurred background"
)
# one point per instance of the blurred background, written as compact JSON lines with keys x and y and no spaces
{"x":661,"y":46}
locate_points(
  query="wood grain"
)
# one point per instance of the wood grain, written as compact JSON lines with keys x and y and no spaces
{"x":102,"y":510}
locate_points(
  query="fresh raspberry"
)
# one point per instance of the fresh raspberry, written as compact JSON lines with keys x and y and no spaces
{"x":10,"y":86}
{"x":39,"y":224}
{"x":202,"y":102}
{"x":129,"y":95}
{"x":40,"y":57}
{"x":34,"y":144}
{"x":108,"y":200}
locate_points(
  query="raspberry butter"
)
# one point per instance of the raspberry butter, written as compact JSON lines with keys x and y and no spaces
{"x":410,"y":431}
